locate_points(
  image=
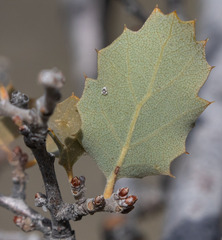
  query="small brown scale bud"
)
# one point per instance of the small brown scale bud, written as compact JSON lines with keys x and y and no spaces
{"x":123,"y":192}
{"x":78,"y":187}
{"x":17,"y":220}
{"x":25,"y":223}
{"x":99,"y":200}
{"x":37,"y":195}
{"x":75,"y":182}
{"x":130,"y":201}
{"x":90,"y":206}
{"x":78,"y":182}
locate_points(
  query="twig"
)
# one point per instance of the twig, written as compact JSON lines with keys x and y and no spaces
{"x":78,"y":189}
{"x":119,"y":202}
{"x":35,"y":137}
{"x":19,"y":176}
{"x":16,"y":202}
{"x":33,"y":126}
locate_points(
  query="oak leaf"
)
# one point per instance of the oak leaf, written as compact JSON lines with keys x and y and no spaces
{"x":64,"y":127}
{"x":137,"y":114}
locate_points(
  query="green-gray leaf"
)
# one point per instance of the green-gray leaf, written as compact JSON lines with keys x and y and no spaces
{"x":137,"y":114}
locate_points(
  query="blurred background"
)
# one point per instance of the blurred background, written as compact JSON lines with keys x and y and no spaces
{"x":37,"y":35}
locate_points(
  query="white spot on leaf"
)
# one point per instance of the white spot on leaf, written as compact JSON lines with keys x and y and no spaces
{"x":104,"y":91}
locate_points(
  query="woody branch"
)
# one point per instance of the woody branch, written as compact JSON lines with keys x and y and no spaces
{"x":33,"y":126}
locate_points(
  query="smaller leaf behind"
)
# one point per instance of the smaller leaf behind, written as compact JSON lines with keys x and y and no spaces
{"x":64,"y":126}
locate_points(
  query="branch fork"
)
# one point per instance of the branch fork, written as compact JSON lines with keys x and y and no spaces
{"x":33,"y":126}
{"x":119,"y":202}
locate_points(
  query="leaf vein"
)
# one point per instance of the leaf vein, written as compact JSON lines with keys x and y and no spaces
{"x":155,"y":132}
{"x":129,"y":81}
{"x":171,"y":82}
{"x":110,"y":124}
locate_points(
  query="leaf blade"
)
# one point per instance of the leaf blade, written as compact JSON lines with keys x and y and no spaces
{"x":65,"y":125}
{"x":152,"y":78}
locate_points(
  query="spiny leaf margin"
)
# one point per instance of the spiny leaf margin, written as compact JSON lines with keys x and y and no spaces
{"x":103,"y":144}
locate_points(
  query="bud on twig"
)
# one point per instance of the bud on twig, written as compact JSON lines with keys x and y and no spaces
{"x":122,"y":192}
{"x":75,"y":182}
{"x":131,"y":200}
{"x":78,"y":188}
{"x":24,"y":130}
{"x":125,"y":202}
{"x":40,"y":200}
{"x":52,"y":78}
{"x":25,"y":223}
{"x":99,"y":201}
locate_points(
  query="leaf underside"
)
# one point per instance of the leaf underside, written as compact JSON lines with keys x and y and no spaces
{"x":137,"y":114}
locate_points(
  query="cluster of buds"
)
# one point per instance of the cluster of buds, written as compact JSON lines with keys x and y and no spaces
{"x":124,"y":201}
{"x":25,"y":223}
{"x":78,"y":188}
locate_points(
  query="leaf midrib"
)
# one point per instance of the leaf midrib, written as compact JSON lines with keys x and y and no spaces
{"x":142,"y":102}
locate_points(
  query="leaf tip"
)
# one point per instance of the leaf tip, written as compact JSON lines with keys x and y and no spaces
{"x":175,"y":13}
{"x":97,"y":51}
{"x":156,"y":9}
{"x":205,"y":42}
{"x":74,"y":96}
{"x":209,"y":103}
{"x":191,"y":22}
{"x":85,"y":76}
{"x":171,"y":175}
